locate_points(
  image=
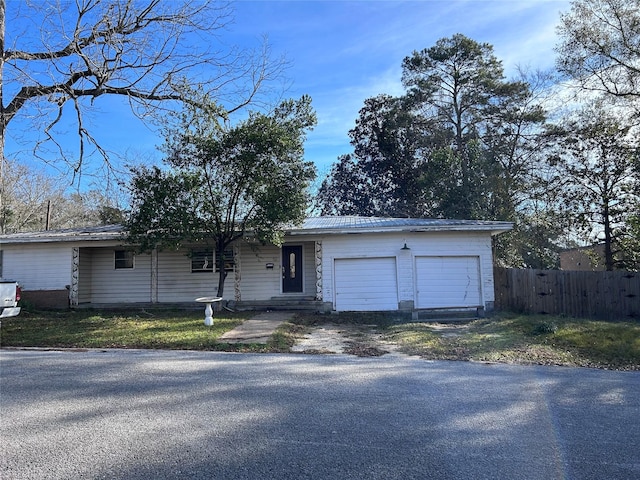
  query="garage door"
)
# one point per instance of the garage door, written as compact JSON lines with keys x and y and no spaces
{"x":366,"y":284}
{"x":447,"y":282}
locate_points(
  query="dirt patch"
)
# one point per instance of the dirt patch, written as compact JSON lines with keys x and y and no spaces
{"x":449,"y":329}
{"x":364,"y":350}
{"x":360,"y":340}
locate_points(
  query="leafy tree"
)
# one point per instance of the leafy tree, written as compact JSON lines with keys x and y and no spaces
{"x":629,"y":243}
{"x":142,"y":51}
{"x":382,"y":177}
{"x":594,"y":158}
{"x":459,"y":90}
{"x":461,"y":143}
{"x":223,"y":183}
{"x":347,"y":190}
{"x":600,"y":46}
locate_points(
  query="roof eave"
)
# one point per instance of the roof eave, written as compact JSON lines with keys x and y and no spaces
{"x":495,"y":229}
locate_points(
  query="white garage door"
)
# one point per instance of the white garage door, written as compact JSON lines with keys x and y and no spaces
{"x":447,"y":282}
{"x":366,"y":284}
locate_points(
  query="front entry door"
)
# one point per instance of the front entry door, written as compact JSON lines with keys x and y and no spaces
{"x":291,"y":269}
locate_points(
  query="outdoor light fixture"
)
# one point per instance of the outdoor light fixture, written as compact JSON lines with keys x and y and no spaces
{"x":405,"y":247}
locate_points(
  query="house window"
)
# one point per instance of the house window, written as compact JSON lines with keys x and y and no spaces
{"x":205,"y":261}
{"x":201,"y":261}
{"x":229,"y":261}
{"x":123,"y":259}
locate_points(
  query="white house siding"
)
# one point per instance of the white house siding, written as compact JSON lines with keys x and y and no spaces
{"x":126,"y":285}
{"x":100,"y":282}
{"x":309,"y":269}
{"x":84,"y":276}
{"x":427,"y":244}
{"x":261,"y":283}
{"x":38,"y":266}
{"x":258,"y":282}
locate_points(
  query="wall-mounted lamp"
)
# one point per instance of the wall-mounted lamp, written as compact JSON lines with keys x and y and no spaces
{"x":405,"y":247}
{"x":269,"y":266}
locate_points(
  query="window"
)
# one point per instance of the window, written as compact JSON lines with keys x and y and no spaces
{"x":201,"y":261}
{"x":123,"y":259}
{"x":204,"y":261}
{"x":229,"y":262}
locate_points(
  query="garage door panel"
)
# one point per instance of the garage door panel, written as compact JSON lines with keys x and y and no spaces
{"x":448,"y":282}
{"x":366,"y":284}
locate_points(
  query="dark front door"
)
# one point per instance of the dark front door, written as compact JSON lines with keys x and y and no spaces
{"x":291,"y":269}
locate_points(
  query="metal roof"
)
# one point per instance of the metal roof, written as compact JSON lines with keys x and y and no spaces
{"x":329,"y":225}
{"x":357,"y":224}
{"x":105,"y":232}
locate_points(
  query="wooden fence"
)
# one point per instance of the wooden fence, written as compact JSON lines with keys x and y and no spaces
{"x":606,"y":295}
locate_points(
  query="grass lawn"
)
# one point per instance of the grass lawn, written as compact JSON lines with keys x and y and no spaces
{"x":504,"y":337}
{"x":160,"y":329}
{"x":526,"y":339}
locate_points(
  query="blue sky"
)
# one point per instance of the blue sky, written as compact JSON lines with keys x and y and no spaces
{"x":342,"y":52}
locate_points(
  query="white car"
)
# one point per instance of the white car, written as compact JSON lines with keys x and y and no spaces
{"x":9,"y":298}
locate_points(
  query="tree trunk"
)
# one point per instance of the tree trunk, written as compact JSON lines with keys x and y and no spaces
{"x":608,"y":248}
{"x":2,"y":118}
{"x":222,"y":273}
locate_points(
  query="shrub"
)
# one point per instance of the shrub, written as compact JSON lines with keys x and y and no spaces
{"x":544,"y":328}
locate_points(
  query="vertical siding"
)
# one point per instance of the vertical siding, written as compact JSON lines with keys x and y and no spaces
{"x":38,"y":266}
{"x":48,"y":267}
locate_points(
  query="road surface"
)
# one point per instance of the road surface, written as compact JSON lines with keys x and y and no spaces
{"x":138,"y":414}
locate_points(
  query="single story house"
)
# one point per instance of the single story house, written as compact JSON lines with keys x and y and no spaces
{"x":341,"y":263}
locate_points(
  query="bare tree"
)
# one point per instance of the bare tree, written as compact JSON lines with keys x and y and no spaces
{"x":36,"y":201}
{"x":600,"y":46}
{"x":594,"y":156}
{"x":26,"y":193}
{"x":57,"y":57}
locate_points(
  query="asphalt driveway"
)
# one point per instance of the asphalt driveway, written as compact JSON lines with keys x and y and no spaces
{"x":155,"y":414}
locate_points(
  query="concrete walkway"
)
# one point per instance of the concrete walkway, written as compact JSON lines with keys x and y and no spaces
{"x":257,"y":329}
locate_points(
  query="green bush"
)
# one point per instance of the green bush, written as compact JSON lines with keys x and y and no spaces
{"x":545,"y":328}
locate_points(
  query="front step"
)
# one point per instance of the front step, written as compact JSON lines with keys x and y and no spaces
{"x":296,"y":303}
